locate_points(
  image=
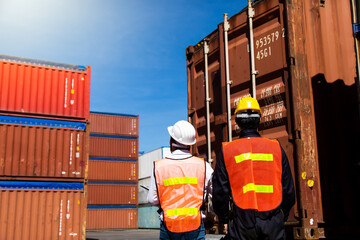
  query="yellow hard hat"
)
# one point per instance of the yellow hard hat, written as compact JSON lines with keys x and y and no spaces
{"x":247,"y":103}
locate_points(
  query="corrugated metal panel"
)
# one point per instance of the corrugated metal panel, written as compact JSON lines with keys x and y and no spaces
{"x":112,"y":193}
{"x":113,"y":147}
{"x":42,"y":148}
{"x":116,"y":124}
{"x":142,"y":191}
{"x":42,"y":214}
{"x":29,"y":87}
{"x":148,"y":217}
{"x":146,"y":160}
{"x":101,"y":169}
{"x":296,"y":85}
{"x":112,"y":218}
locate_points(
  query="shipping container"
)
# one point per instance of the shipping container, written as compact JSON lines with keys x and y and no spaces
{"x":307,"y":87}
{"x":112,"y":217}
{"x":42,"y":210}
{"x":114,"y":124}
{"x":112,"y":193}
{"x":39,"y":87}
{"x":112,"y":169}
{"x":113,"y":146}
{"x":32,"y":147}
{"x":148,"y":217}
{"x":144,"y":184}
{"x":146,"y":161}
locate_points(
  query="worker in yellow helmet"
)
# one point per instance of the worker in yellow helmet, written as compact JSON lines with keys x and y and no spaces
{"x":254,"y":173}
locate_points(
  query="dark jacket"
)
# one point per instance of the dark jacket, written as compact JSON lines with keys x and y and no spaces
{"x":222,"y":192}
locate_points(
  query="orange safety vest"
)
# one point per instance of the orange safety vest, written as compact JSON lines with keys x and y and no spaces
{"x":254,"y":166}
{"x":180,"y":184}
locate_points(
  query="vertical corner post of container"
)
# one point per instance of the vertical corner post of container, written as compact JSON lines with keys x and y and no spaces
{"x":207,"y":99}
{"x":227,"y":75}
{"x":307,"y":169}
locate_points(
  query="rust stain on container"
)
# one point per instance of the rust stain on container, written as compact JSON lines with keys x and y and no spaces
{"x":112,"y":193}
{"x":113,"y":146}
{"x":112,"y":217}
{"x":40,"y":87}
{"x":114,"y":124}
{"x":35,"y":211}
{"x":305,"y":58}
{"x":112,"y":170}
{"x":31,"y":147}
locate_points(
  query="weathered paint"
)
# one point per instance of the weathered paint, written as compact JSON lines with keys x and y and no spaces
{"x":305,"y":58}
{"x":42,"y":213}
{"x":114,"y":124}
{"x":112,"y":193}
{"x":111,"y":217}
{"x":105,"y":169}
{"x":46,"y":88}
{"x":31,"y":147}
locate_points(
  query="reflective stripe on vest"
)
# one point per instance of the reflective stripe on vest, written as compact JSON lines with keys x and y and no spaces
{"x":180,"y":185}
{"x":180,"y":180}
{"x":254,"y":166}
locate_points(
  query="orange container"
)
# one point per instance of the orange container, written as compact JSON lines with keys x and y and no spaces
{"x":47,"y":88}
{"x":31,"y":147}
{"x":113,"y":146}
{"x":41,"y":210}
{"x":115,"y":124}
{"x":112,"y":217}
{"x":101,"y":169}
{"x":112,"y":193}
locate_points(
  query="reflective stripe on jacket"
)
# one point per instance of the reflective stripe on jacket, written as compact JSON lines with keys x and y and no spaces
{"x":180,"y":185}
{"x":254,"y":166}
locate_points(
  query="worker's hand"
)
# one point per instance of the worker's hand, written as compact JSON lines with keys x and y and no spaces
{"x":225,"y":229}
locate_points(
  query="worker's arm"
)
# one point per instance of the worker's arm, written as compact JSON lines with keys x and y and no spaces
{"x":287,"y":186}
{"x":221,"y":190}
{"x":152,"y":196}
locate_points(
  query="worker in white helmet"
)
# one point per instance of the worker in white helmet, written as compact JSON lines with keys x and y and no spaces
{"x":180,"y":185}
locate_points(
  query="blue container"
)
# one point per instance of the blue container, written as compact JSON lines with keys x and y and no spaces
{"x":148,"y":217}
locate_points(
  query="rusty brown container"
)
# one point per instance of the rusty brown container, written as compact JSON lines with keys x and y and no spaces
{"x":32,"y":147}
{"x":112,"y":146}
{"x":105,"y":169}
{"x":46,"y":88}
{"x":112,"y":217}
{"x":112,"y":193}
{"x":300,"y":88}
{"x":114,"y":124}
{"x":41,"y":210}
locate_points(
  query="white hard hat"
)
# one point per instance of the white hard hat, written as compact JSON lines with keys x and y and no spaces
{"x":183,"y":132}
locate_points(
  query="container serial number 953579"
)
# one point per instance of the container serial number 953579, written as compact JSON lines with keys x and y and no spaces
{"x":264,"y":43}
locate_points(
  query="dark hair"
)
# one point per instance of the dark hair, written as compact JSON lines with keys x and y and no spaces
{"x":248,"y":123}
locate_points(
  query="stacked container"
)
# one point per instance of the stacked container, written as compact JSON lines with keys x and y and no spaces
{"x":113,"y":180}
{"x":44,"y":108}
{"x":148,"y":215}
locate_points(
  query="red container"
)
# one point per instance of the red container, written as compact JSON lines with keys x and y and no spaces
{"x":31,"y":147}
{"x":114,"y":124}
{"x":113,"y":146}
{"x":111,"y":218}
{"x":307,"y":88}
{"x":112,"y":193}
{"x":47,"y":88}
{"x":112,"y":170}
{"x":43,"y":212}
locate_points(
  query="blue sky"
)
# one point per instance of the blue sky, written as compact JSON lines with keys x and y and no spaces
{"x":136,"y":49}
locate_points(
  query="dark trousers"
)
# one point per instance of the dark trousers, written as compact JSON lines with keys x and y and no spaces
{"x":198,"y":234}
{"x":264,"y":229}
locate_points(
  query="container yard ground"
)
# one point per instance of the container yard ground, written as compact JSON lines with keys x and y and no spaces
{"x":132,"y":235}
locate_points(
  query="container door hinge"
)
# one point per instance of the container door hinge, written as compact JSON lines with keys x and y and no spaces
{"x":356,"y":28}
{"x":297,"y":134}
{"x":292,"y":61}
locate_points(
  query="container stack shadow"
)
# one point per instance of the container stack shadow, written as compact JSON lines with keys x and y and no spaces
{"x":113,"y":171}
{"x":44,"y":144}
